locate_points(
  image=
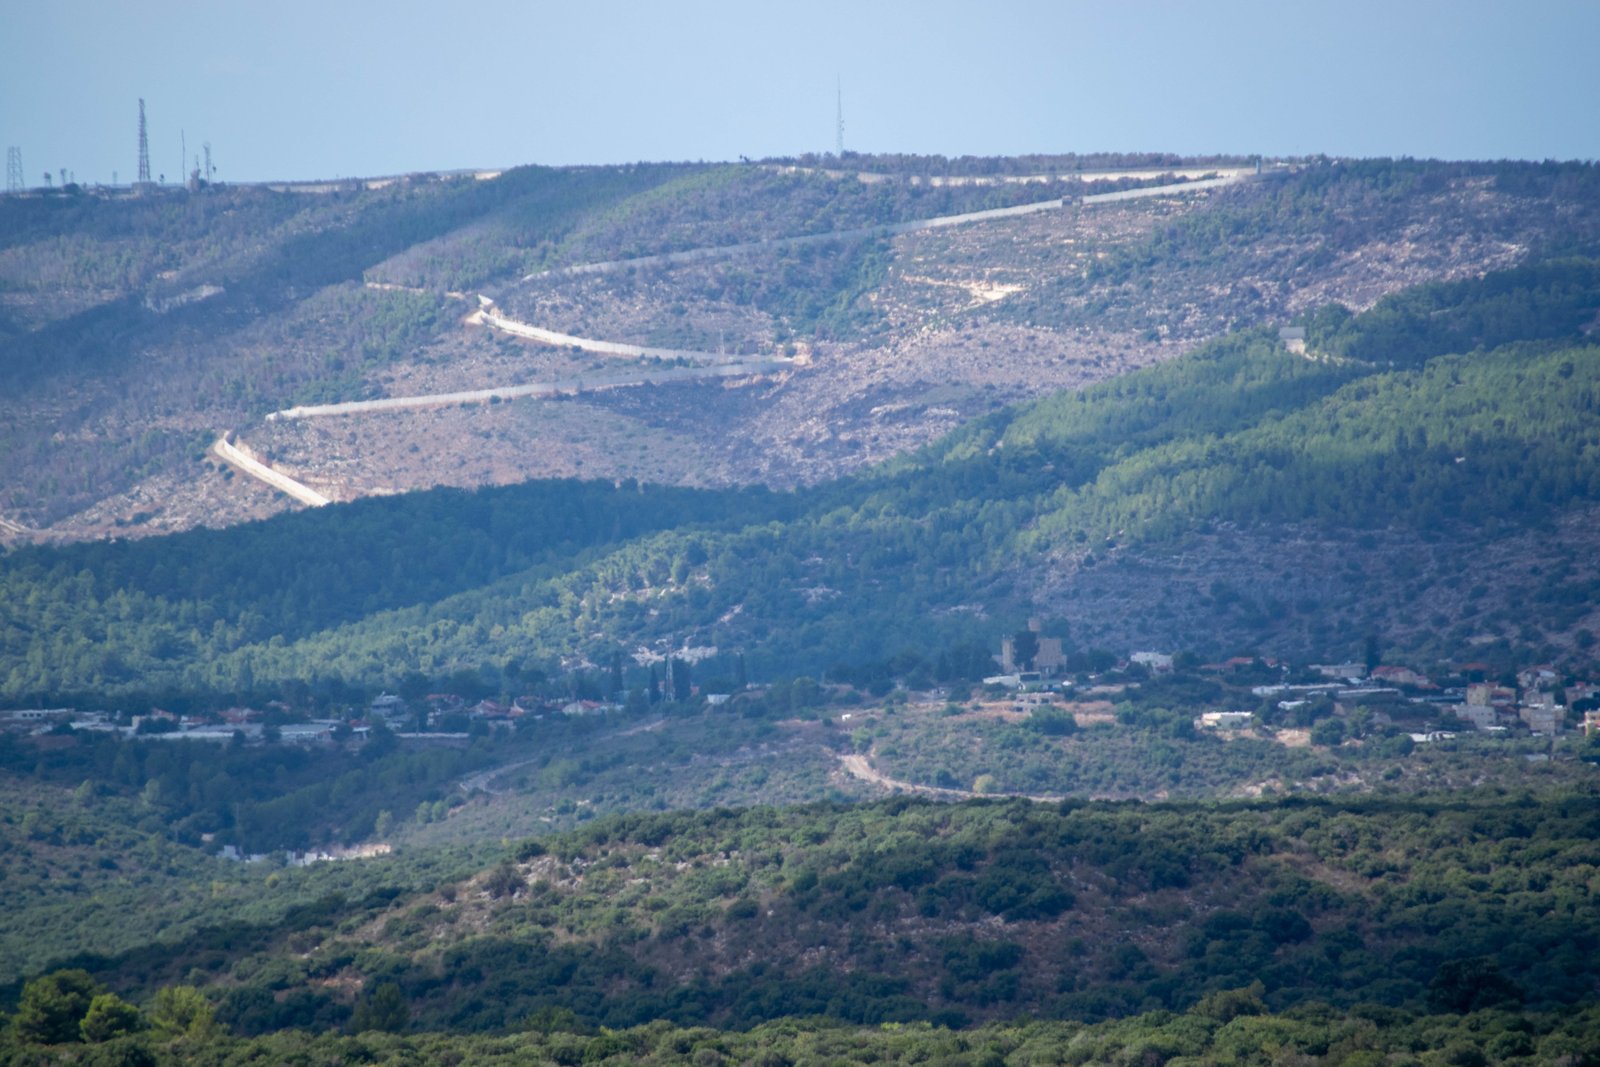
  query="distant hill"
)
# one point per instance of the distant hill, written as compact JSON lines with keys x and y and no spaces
{"x":134,"y":331}
{"x":1304,"y":502}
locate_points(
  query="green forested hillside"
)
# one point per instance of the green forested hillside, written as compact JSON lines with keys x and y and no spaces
{"x":1376,"y":900}
{"x":1241,"y":432}
{"x":143,"y":603}
{"x":1463,"y":917}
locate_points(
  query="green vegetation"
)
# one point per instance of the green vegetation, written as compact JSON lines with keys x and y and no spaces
{"x":94,"y":827}
{"x":228,"y":589}
{"x":1385,"y":913}
{"x":93,"y":872}
{"x":1231,"y":1031}
{"x":735,"y":205}
{"x":697,"y":887}
{"x":858,"y":570}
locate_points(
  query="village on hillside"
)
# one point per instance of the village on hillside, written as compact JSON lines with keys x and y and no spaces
{"x":1538,"y":700}
{"x":1334,"y":701}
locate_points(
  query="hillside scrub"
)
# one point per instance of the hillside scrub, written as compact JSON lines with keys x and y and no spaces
{"x":906,"y":910}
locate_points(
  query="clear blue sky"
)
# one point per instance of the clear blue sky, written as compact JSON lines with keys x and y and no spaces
{"x":296,"y":89}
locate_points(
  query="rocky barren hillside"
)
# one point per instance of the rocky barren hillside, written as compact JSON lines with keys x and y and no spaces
{"x":134,"y":332}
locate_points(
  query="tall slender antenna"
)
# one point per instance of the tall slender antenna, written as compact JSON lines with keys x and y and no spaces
{"x":14,"y":180}
{"x":183,"y":158}
{"x":840,"y":130}
{"x":210,"y":170}
{"x":144,"y":147}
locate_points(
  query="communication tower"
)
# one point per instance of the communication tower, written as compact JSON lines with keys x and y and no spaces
{"x":14,"y":181}
{"x":144,"y":147}
{"x":839,"y":129}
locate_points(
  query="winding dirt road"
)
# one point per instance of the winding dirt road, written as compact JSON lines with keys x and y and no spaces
{"x":488,"y":316}
{"x":226,"y":451}
{"x":696,"y":255}
{"x":706,"y":364}
{"x":860,"y":766}
{"x":564,"y":387}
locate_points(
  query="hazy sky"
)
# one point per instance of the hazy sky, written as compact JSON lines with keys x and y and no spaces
{"x":295,"y":89}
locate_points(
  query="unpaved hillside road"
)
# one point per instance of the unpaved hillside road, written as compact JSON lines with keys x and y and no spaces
{"x":861,"y":767}
{"x":488,"y":316}
{"x":565,"y":387}
{"x":868,"y":177}
{"x":479,"y":782}
{"x":704,"y":364}
{"x":225,"y":451}
{"x":1162,"y":190}
{"x":695,"y":255}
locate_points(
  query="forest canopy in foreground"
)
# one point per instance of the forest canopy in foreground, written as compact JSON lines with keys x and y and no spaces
{"x":1377,"y":923}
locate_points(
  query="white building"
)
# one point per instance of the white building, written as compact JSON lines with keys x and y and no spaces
{"x":1225,"y":720}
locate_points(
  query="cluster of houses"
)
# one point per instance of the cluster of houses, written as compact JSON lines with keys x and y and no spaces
{"x":247,"y":724}
{"x":1540,"y":700}
{"x":1032,"y":665}
{"x":331,"y":854}
{"x":438,"y":710}
{"x":429,"y":719}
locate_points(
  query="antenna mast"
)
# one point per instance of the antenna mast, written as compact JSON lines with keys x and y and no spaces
{"x":144,"y":147}
{"x":839,"y":131}
{"x":14,"y":179}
